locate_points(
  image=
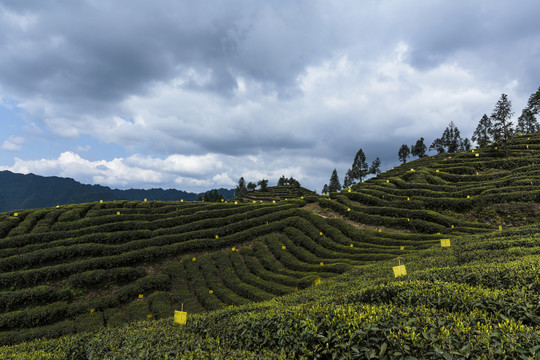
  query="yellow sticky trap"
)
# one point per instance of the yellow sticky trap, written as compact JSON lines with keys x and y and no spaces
{"x":182,"y":200}
{"x":283,"y":247}
{"x":402,"y":248}
{"x":92,"y":311}
{"x":101,"y":201}
{"x":141,"y":296}
{"x":437,"y":170}
{"x":468,"y":196}
{"x":145,"y":200}
{"x":273,"y":201}
{"x":408,"y":198}
{"x":452,"y":226}
{"x":296,"y":288}
{"x":301,"y":197}
{"x":349,"y":189}
{"x":267,"y":223}
{"x":399,"y":270}
{"x":193,"y":259}
{"x":180,"y":317}
{"x":260,"y":201}
{"x":57,"y":206}
{"x":528,"y":138}
{"x":449,"y":157}
{"x":118,"y":213}
{"x":217,"y":236}
{"x":477,"y":173}
{"x":351,"y":245}
{"x":520,"y":134}
{"x":236,"y":203}
{"x":379,"y":230}
{"x":317,"y":281}
{"x":222,"y":200}
{"x":233,"y":249}
{"x":527,"y":146}
{"x":533,"y":163}
{"x":254,"y":201}
{"x":408,"y":220}
{"x":412,"y":170}
{"x":258,"y":277}
{"x":496,"y":148}
{"x":148,"y":316}
{"x":477,"y":155}
{"x":320,"y":233}
{"x":324,"y":194}
{"x":322,"y":263}
{"x":388,"y":181}
{"x":472,"y":150}
{"x":210,"y":291}
{"x":445,"y":242}
{"x":348,"y":209}
{"x":500,"y":227}
{"x":16,"y":214}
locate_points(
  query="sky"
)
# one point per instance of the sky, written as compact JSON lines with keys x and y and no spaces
{"x":192,"y":95}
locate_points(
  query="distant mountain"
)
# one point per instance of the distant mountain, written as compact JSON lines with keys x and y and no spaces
{"x":18,"y":191}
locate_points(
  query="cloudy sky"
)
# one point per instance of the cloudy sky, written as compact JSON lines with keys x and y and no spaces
{"x":194,"y":94}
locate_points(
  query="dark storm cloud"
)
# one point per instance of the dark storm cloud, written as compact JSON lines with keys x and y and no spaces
{"x":308,"y":82}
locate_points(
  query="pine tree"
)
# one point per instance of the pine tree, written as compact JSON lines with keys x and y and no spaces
{"x":465,"y":145}
{"x":450,"y":141}
{"x":419,"y":149}
{"x":527,"y":123}
{"x":375,"y":167}
{"x":502,"y":126}
{"x":437,"y":145}
{"x":359,"y":168}
{"x":483,"y":134}
{"x":325,"y":189}
{"x":348,"y":179}
{"x":251,"y":186}
{"x":240,"y":188}
{"x":404,"y":153}
{"x":334,"y":182}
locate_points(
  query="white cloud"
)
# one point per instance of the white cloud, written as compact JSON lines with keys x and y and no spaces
{"x":13,"y":143}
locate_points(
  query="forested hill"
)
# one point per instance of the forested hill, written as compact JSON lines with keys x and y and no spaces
{"x":18,"y":191}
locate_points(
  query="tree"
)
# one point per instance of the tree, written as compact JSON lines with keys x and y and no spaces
{"x":294,"y":182}
{"x":359,"y":168}
{"x":527,"y":123}
{"x":404,"y":153}
{"x":375,"y":167}
{"x":534,"y":102}
{"x":419,"y":149}
{"x":263,"y":184}
{"x":465,"y":145}
{"x":348,"y":179}
{"x":484,"y":132}
{"x":240,"y":188}
{"x":334,"y":182}
{"x":325,"y":189}
{"x":502,"y":126}
{"x":437,"y":145}
{"x":212,"y":196}
{"x":251,"y":186}
{"x":283,"y":181}
{"x":450,"y":141}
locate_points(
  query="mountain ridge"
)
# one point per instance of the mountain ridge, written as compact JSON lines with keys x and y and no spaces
{"x":30,"y":191}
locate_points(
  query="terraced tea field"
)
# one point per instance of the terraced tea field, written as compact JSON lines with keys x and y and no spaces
{"x":83,"y":267}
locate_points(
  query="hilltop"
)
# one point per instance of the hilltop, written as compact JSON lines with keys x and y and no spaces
{"x":18,"y":191}
{"x":275,"y":277}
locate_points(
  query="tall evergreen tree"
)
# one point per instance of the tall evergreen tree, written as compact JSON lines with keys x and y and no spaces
{"x":419,"y":149}
{"x":450,"y":141}
{"x":375,"y":167}
{"x":534,"y":102}
{"x":483,"y":134}
{"x":404,"y":153}
{"x":325,"y":189}
{"x":359,"y":168}
{"x":465,"y":145}
{"x":527,"y":123}
{"x":502,"y":126}
{"x":347,"y":181}
{"x":241,"y":189}
{"x":334,"y":184}
{"x":251,"y":186}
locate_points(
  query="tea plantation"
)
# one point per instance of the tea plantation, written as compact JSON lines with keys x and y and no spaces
{"x":288,"y":274}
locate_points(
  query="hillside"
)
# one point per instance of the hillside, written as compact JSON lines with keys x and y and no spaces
{"x":297,"y":278}
{"x":18,"y":191}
